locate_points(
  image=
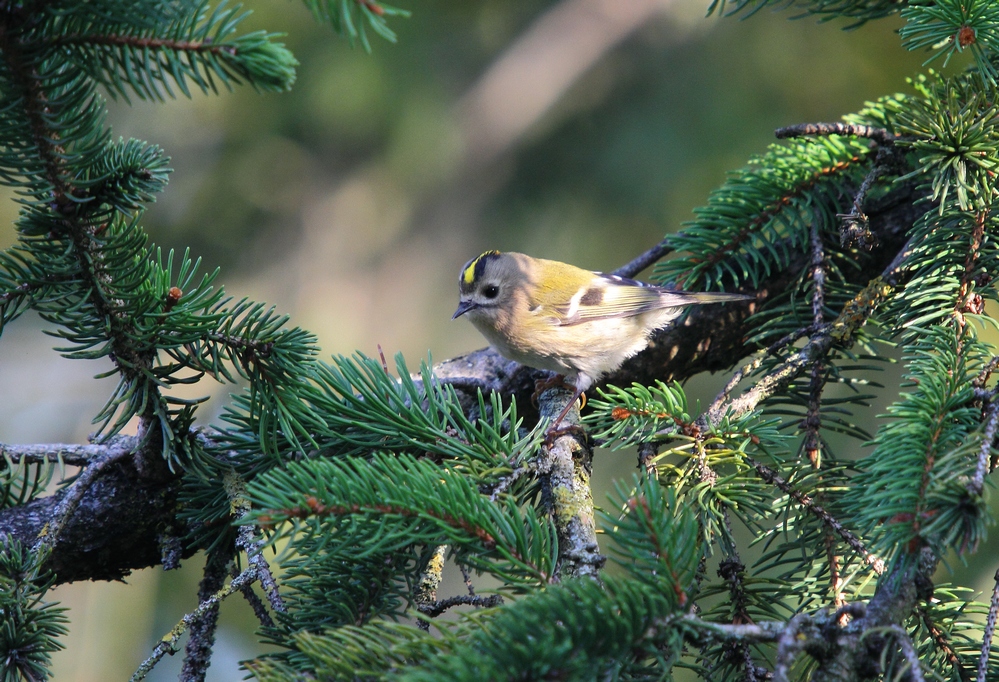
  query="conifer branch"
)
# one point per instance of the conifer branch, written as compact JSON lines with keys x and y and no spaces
{"x":991,"y":419}
{"x":198,"y":650}
{"x":438,"y":607}
{"x":127,"y":513}
{"x":764,"y":216}
{"x":840,"y":332}
{"x":248,"y":539}
{"x":908,"y":650}
{"x":258,"y":606}
{"x":772,"y":477}
{"x":990,"y":629}
{"x":72,"y":217}
{"x":940,"y":640}
{"x":644,"y":260}
{"x":566,"y":466}
{"x":879,"y":135}
{"x":148,"y":43}
{"x":813,"y":416}
{"x":732,"y":570}
{"x":168,"y":644}
{"x":70,"y":454}
{"x":50,"y":533}
{"x":425,"y":596}
{"x":967,"y":302}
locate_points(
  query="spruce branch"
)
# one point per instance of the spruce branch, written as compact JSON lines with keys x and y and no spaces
{"x":644,"y":260}
{"x":425,"y":596}
{"x":258,"y":606}
{"x":198,"y":650}
{"x":940,"y":640}
{"x":879,"y":135}
{"x":248,"y":539}
{"x":118,"y":525}
{"x":63,"y":511}
{"x":55,"y":453}
{"x":853,"y":316}
{"x":991,"y":419}
{"x":827,"y":519}
{"x":438,"y":607}
{"x":967,"y":301}
{"x":908,"y":650}
{"x":566,"y":466}
{"x":813,"y":417}
{"x":990,"y":629}
{"x":168,"y":644}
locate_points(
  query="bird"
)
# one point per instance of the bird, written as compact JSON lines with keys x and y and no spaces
{"x":558,"y":317}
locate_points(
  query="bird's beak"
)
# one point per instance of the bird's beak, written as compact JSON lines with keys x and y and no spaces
{"x":463,"y":307}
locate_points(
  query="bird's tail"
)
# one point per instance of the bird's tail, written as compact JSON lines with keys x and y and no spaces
{"x":680,"y":298}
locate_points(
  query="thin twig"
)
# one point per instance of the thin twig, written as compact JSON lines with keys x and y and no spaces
{"x":940,"y":639}
{"x":756,"y":363}
{"x":767,"y":631}
{"x":990,"y":629}
{"x":773,"y":382}
{"x":258,"y":606}
{"x":70,"y":454}
{"x":504,"y":483}
{"x":835,"y":579}
{"x":467,"y":577}
{"x":771,"y":476}
{"x":818,"y":273}
{"x":425,"y":596}
{"x":908,"y":650}
{"x":732,"y":571}
{"x":198,"y":651}
{"x":748,"y":664}
{"x":169,"y":642}
{"x":438,"y":607}
{"x":977,"y":482}
{"x":656,"y":253}
{"x":879,"y":135}
{"x":726,"y":393}
{"x":983,"y":376}
{"x":813,"y":416}
{"x":855,"y":226}
{"x":248,"y":539}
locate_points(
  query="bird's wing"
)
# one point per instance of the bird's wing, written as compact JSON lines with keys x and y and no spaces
{"x":608,"y":296}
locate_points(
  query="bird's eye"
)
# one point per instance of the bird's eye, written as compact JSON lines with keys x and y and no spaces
{"x":491,"y":291}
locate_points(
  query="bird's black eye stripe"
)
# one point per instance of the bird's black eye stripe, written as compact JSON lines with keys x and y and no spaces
{"x":490,"y":291}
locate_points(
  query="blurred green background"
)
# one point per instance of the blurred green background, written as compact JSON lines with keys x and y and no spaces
{"x":581,"y":130}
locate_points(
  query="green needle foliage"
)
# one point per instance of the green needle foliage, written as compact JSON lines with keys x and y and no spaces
{"x":31,"y":626}
{"x":767,"y":535}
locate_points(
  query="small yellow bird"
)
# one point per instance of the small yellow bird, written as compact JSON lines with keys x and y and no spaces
{"x":555,"y":316}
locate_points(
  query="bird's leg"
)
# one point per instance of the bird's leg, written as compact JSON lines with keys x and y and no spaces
{"x":554,"y":431}
{"x":553,"y":381}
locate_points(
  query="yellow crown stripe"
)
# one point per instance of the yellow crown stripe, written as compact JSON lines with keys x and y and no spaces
{"x":468,"y":276}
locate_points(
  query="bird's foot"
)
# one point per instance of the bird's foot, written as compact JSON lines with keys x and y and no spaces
{"x":555,"y":432}
{"x":555,"y":381}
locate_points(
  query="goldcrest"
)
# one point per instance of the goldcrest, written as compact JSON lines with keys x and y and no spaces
{"x":555,"y":316}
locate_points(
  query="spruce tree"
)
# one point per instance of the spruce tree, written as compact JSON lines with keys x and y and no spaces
{"x":859,"y":239}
